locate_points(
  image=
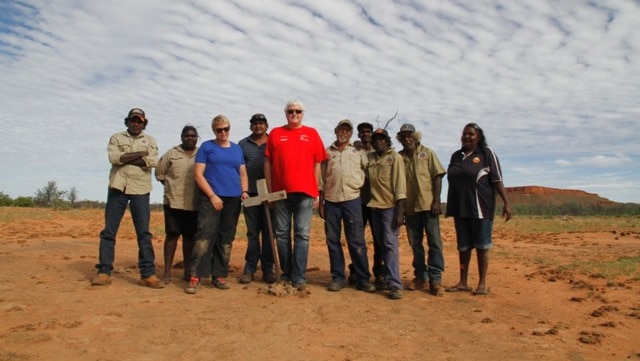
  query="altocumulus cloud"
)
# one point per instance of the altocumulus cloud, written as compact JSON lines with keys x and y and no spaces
{"x":554,"y":84}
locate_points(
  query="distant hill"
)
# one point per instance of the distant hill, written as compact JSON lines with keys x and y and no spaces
{"x":545,"y":200}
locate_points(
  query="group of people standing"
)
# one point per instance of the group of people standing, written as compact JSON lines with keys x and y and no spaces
{"x":351,"y":183}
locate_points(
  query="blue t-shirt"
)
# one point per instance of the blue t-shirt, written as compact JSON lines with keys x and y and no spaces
{"x":222,"y":167}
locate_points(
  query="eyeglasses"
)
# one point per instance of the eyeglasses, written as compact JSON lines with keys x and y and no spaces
{"x":220,"y":130}
{"x":297,"y":111}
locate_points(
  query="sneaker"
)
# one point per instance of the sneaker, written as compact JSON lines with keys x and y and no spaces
{"x":436,"y":289}
{"x":365,"y":285}
{"x":395,"y":293}
{"x":300,"y":286}
{"x":335,"y":286}
{"x":153,"y":282}
{"x":101,"y":279}
{"x":269,"y":277}
{"x":416,"y":284}
{"x":246,"y":278}
{"x":220,"y":283}
{"x":192,"y":289}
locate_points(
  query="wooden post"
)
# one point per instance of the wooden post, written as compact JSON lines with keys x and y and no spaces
{"x":264,"y":197}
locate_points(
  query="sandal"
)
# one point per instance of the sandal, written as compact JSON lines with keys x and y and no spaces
{"x":458,"y":288}
{"x":480,"y":291}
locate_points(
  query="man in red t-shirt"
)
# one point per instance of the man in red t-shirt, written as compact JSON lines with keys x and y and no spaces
{"x":292,"y":163}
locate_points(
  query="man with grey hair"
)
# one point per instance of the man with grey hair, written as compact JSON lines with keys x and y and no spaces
{"x":424,"y":174}
{"x":292,"y":163}
{"x":342,"y":177}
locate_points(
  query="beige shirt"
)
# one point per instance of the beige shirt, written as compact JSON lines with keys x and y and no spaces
{"x":387,"y":180}
{"x":421,"y":170}
{"x":342,"y":174}
{"x":175,"y":170}
{"x":129,"y":178}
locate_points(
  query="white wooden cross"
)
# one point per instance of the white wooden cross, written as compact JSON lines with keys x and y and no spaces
{"x":264,"y":197}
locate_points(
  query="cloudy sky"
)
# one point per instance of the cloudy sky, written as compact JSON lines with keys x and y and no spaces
{"x":554,"y":84}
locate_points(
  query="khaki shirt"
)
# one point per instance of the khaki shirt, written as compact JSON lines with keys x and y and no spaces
{"x":386,"y":179}
{"x":175,"y":169}
{"x":343,"y":174}
{"x":421,"y":170}
{"x":129,"y":178}
{"x":365,"y":191}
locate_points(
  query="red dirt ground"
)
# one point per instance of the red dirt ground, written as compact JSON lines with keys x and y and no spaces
{"x":533,"y":312}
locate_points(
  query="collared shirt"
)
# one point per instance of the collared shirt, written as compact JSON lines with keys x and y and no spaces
{"x":365,"y":190}
{"x":254,"y":161}
{"x":421,"y":170}
{"x":129,"y":178}
{"x":471,"y":193}
{"x":175,"y":169}
{"x":387,"y":180}
{"x":343,"y":173}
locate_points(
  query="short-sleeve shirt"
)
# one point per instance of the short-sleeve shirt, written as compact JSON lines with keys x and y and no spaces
{"x":175,"y":170}
{"x":421,"y":170}
{"x":293,"y":154}
{"x":129,"y":178}
{"x":222,"y":167}
{"x":343,"y":173}
{"x":471,"y":193}
{"x":254,"y":161}
{"x":387,"y":180}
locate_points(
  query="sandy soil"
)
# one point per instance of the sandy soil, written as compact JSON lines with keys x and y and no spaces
{"x":533,"y":312}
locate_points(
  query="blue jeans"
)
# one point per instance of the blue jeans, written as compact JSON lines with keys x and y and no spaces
{"x":388,"y":238}
{"x":378,"y":267}
{"x":256,"y":220}
{"x":216,"y":231}
{"x":117,"y":202}
{"x":417,"y":225}
{"x":348,"y":213}
{"x":293,"y":258}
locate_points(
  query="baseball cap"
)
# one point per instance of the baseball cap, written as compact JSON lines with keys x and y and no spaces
{"x":365,"y":125}
{"x":136,"y":112}
{"x":380,"y":133}
{"x":407,"y":128}
{"x":258,"y":117}
{"x":343,"y":122}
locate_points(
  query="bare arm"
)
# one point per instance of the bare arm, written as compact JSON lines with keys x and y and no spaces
{"x":506,"y":210}
{"x":267,"y":173}
{"x":437,"y":189}
{"x":201,"y":181}
{"x":244,"y":182}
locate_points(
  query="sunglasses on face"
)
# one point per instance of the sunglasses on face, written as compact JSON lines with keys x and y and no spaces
{"x":220,"y":130}
{"x":296,"y":111}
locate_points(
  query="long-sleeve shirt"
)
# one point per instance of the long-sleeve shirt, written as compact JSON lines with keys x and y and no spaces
{"x":129,"y":178}
{"x":343,"y":173}
{"x":175,"y":170}
{"x":387,"y":180}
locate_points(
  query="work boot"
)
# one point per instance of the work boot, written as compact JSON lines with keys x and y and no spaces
{"x":246,"y":278}
{"x":395,"y":293}
{"x":365,"y":285}
{"x":101,"y":279}
{"x":416,"y":284}
{"x":335,"y":286}
{"x":269,"y":277}
{"x":436,"y":289}
{"x":153,"y":282}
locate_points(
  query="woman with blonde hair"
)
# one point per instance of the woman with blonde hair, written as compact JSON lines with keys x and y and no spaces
{"x":221,"y":176}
